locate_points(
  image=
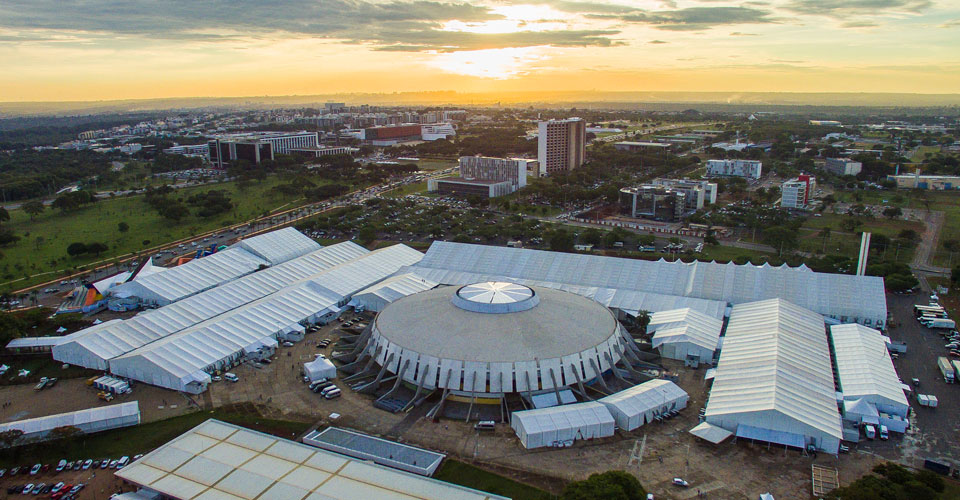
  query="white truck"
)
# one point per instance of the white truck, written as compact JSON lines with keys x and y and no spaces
{"x":938,"y":323}
{"x":947,"y":369}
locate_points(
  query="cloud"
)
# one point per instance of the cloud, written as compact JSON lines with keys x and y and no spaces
{"x":843,"y":8}
{"x":951,"y":24}
{"x":859,"y":24}
{"x":738,"y":33}
{"x":658,"y":42}
{"x":693,"y":18}
{"x":395,"y":25}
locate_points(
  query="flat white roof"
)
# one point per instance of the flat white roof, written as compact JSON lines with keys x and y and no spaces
{"x":685,"y":325}
{"x":216,"y":460}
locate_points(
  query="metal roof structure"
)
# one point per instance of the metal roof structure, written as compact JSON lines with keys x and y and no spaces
{"x":93,"y":347}
{"x":381,"y":451}
{"x":430,"y":340}
{"x":180,"y":359}
{"x":220,"y":461}
{"x":710,"y":432}
{"x":88,"y":421}
{"x":865,"y":369}
{"x":685,"y":325}
{"x":278,"y":246}
{"x":643,"y":403}
{"x":376,"y":297}
{"x":34,"y":342}
{"x":775,"y":374}
{"x":495,"y":297}
{"x":204,"y":273}
{"x":845,"y":297}
{"x":629,"y":301}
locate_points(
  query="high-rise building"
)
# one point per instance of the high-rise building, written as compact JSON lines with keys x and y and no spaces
{"x":698,"y":193}
{"x":797,"y":193}
{"x":653,"y":202}
{"x":843,"y":166}
{"x":751,"y":169}
{"x":561,"y":145}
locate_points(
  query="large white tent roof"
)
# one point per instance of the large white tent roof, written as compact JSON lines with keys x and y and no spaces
{"x":279,"y":246}
{"x":685,"y":325}
{"x":73,"y":418}
{"x":839,"y":295}
{"x":201,"y":274}
{"x":196,"y":348}
{"x":864,"y":366}
{"x":641,"y":398}
{"x":216,"y":460}
{"x":190,"y":278}
{"x":392,"y":288}
{"x":775,"y":357}
{"x":92,"y":346}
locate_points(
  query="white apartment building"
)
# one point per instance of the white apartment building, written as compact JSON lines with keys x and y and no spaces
{"x":843,"y":166}
{"x":434,"y":131}
{"x":798,"y":192}
{"x":561,"y":144}
{"x":751,"y":169}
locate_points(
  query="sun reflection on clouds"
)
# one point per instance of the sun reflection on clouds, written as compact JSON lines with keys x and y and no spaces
{"x":497,"y":64}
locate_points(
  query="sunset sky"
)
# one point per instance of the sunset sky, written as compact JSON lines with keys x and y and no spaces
{"x":118,"y":49}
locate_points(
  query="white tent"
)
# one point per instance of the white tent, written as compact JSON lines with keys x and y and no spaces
{"x":865,"y":369}
{"x":320,"y":368}
{"x":376,"y":297}
{"x":107,"y":283}
{"x":710,"y":432}
{"x":685,"y":332}
{"x":857,"y":299}
{"x":643,"y":403}
{"x":560,"y":426}
{"x":774,"y":379}
{"x":88,"y":421}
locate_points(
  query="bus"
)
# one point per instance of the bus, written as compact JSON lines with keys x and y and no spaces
{"x":919,"y":310}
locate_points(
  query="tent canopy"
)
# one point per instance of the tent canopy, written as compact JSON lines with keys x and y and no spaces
{"x":710,"y":432}
{"x":771,"y":436}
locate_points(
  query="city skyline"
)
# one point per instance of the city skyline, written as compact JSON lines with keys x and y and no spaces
{"x":100,"y":50}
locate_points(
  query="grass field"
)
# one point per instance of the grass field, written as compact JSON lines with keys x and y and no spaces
{"x":432,"y":164}
{"x":43,"y":243}
{"x":453,"y":471}
{"x":848,"y":244}
{"x":140,"y":439}
{"x":415,"y":188}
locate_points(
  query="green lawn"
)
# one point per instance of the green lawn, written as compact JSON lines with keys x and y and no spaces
{"x":434,"y":164}
{"x":98,"y":223}
{"x":845,"y":243}
{"x":415,"y":188}
{"x":453,"y":471}
{"x":140,"y":439}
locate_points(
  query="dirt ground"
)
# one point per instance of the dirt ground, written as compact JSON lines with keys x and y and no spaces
{"x":729,"y":470}
{"x":19,"y":402}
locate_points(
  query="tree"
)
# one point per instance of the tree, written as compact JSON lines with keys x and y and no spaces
{"x":65,"y":432}
{"x":33,"y":208}
{"x":780,"y":237}
{"x":38,"y":242}
{"x":10,"y":437}
{"x":76,"y":249}
{"x":561,"y":240}
{"x":97,"y":248}
{"x":610,"y":485}
{"x":892,"y":212}
{"x":851,"y":223}
{"x":592,"y":236}
{"x":7,"y":237}
{"x":4,"y":215}
{"x":123,"y":227}
{"x":825,"y":234}
{"x":955,"y":276}
{"x":710,"y":240}
{"x":366,"y":235}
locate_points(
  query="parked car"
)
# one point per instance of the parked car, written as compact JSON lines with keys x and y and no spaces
{"x":38,"y":488}
{"x":87,"y":464}
{"x":105,"y":463}
{"x":231,"y":377}
{"x":35,"y":469}
{"x":680,"y":482}
{"x":28,"y":488}
{"x":113,"y":464}
{"x":288,"y":344}
{"x":61,"y":465}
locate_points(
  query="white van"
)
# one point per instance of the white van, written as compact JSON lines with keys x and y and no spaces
{"x":485,"y":425}
{"x":870,"y":431}
{"x":331,"y":392}
{"x":231,"y":377}
{"x":884,"y":432}
{"x":123,"y":462}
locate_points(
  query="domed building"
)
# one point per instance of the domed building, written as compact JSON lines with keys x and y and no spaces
{"x":488,"y":339}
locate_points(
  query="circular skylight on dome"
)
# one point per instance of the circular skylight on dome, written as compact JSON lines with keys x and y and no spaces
{"x":495,"y":297}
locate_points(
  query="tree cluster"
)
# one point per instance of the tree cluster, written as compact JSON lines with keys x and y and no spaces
{"x":211,"y":203}
{"x":610,"y":485}
{"x":892,"y":482}
{"x":71,"y":201}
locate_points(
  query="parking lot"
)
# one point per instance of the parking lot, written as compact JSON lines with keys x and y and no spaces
{"x":99,"y":484}
{"x":936,"y":431}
